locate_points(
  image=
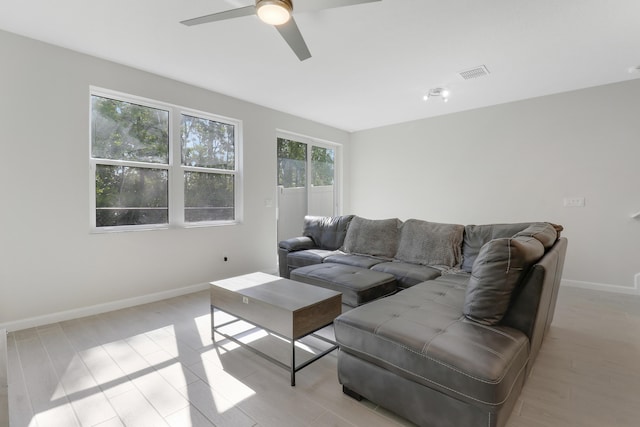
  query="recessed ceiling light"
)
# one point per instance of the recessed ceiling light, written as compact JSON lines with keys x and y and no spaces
{"x":438,"y":92}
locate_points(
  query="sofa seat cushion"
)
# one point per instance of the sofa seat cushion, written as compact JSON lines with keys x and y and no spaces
{"x":421,"y":334}
{"x":358,"y":285}
{"x":459,"y":278}
{"x":407,"y":274}
{"x":361,"y":261}
{"x":308,"y":257}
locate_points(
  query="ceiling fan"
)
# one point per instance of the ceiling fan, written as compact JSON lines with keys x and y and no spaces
{"x":279,"y":14}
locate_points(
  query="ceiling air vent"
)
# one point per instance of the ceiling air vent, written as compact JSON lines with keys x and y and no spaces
{"x":474,"y":73}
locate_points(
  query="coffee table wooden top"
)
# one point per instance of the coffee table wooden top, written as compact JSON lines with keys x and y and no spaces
{"x":274,"y":290}
{"x":285,"y":306}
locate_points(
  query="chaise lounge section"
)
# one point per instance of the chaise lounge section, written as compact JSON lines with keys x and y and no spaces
{"x":455,"y":344}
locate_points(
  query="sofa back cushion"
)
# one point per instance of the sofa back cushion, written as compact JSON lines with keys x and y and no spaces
{"x":476,"y":236}
{"x":375,"y":237}
{"x":430,"y":243}
{"x":328,"y":232}
{"x":499,"y":267}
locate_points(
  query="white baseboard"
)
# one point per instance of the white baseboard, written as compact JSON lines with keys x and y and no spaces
{"x":635,"y":290}
{"x":62,"y":316}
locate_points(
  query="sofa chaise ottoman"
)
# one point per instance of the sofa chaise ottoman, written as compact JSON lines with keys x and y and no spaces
{"x":455,"y":348}
{"x":358,"y":285}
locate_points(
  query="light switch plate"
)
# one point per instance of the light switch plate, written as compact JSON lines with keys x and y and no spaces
{"x":573,"y":202}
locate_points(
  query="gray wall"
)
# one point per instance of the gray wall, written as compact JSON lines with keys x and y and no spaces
{"x":51,"y":266}
{"x":513,"y":162}
{"x":516,"y":162}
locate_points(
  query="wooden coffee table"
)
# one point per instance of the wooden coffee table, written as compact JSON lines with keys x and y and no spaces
{"x":286,"y":308}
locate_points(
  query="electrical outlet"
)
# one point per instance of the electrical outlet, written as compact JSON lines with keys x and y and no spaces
{"x":245,"y":300}
{"x":573,"y":202}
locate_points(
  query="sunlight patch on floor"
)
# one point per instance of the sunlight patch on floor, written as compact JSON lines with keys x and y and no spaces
{"x":232,"y":388}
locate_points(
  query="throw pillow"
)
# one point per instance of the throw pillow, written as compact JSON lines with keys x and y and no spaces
{"x":430,"y":243}
{"x":496,"y":272}
{"x":376,"y":237}
{"x":544,"y":232}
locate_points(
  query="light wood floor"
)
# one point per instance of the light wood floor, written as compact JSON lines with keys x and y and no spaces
{"x":154,"y":365}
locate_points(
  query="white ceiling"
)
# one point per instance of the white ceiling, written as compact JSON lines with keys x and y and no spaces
{"x":371,"y":63}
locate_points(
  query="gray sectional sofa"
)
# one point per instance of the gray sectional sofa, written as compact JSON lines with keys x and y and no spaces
{"x":454,"y":345}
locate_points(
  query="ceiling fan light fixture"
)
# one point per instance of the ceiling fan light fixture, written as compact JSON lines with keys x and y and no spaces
{"x":274,"y":12}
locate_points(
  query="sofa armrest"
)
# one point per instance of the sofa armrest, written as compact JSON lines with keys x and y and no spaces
{"x":297,"y":244}
{"x":292,"y":245}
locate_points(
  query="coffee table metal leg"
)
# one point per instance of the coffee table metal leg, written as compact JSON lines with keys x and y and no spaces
{"x":293,"y":362}
{"x":212,"y":326}
{"x":292,"y":367}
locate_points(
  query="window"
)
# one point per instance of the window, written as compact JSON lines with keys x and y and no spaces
{"x":130,"y":143}
{"x":308,"y":180}
{"x":323,"y":166}
{"x":208,"y":158}
{"x":157,"y":165}
{"x":292,"y":163}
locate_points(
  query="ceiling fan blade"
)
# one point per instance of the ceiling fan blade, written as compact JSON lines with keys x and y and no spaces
{"x":291,"y":34}
{"x":221,"y":16}
{"x":313,"y":5}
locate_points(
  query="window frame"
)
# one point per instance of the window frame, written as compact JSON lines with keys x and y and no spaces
{"x":175,"y":169}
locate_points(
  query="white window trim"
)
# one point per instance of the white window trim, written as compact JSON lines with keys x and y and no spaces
{"x":174,"y":167}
